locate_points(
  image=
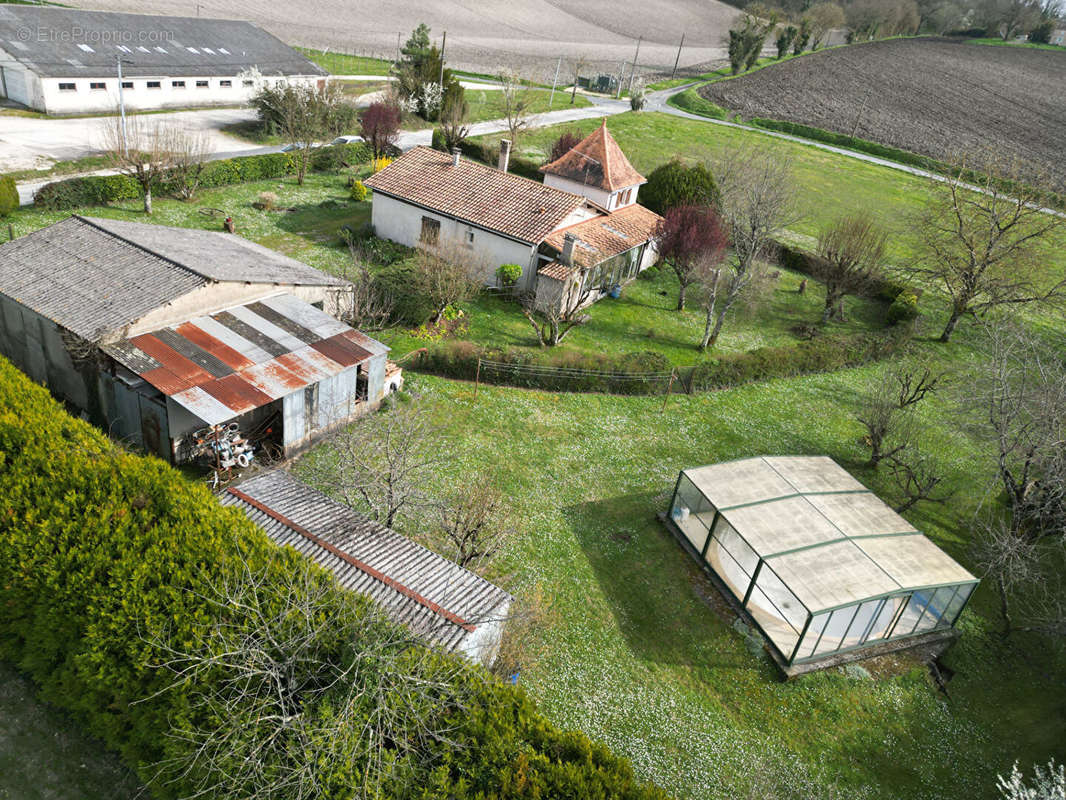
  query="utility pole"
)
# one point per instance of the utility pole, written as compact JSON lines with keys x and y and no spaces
{"x":678,"y":59}
{"x":554,"y":82}
{"x":633,"y":72}
{"x":398,"y":35}
{"x":621,"y":77}
{"x":443,"y":44}
{"x":121,"y":105}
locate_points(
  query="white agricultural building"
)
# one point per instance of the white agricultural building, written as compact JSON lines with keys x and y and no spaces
{"x":576,"y":236}
{"x":444,"y":604}
{"x":66,"y":61}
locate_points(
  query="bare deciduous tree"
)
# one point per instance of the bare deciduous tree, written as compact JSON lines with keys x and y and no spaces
{"x":453,"y":125}
{"x":293,"y":688}
{"x":917,"y":477}
{"x":516,"y":100}
{"x":382,"y":463}
{"x":757,"y":203}
{"x":368,"y":304}
{"x":984,"y":247}
{"x":1047,"y":784}
{"x":444,"y":273}
{"x":189,"y":153}
{"x":848,"y":259}
{"x":579,"y":65}
{"x":894,"y":391}
{"x":476,"y":524}
{"x":141,"y":149}
{"x":559,"y":308}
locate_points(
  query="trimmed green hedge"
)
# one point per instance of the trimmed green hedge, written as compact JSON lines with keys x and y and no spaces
{"x":884,"y":288}
{"x":96,"y":190}
{"x":645,"y":373}
{"x":822,"y":354}
{"x":103,"y":554}
{"x":9,"y":195}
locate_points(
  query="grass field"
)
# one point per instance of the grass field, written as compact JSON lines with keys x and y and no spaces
{"x":642,"y":656}
{"x":644,"y":318}
{"x":43,"y":755}
{"x":998,"y":42}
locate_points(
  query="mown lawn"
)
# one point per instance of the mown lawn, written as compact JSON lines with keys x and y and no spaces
{"x":44,"y":756}
{"x":641,"y":655}
{"x":645,"y":318}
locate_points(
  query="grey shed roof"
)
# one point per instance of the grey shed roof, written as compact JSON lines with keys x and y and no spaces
{"x":70,"y":43}
{"x":94,"y":276}
{"x":439,"y":600}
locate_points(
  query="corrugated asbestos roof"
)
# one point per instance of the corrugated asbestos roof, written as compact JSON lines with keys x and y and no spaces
{"x":66,"y":42}
{"x":95,"y":276}
{"x":436,"y":598}
{"x":476,"y":193}
{"x":597,"y":161}
{"x":223,"y":365}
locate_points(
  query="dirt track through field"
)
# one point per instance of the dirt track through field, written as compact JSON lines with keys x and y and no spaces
{"x":930,"y":96}
{"x":483,"y":35}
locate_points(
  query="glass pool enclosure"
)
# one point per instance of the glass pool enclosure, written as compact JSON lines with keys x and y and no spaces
{"x":820,"y":564}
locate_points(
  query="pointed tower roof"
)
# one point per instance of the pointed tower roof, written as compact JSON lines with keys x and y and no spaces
{"x":597,"y":161}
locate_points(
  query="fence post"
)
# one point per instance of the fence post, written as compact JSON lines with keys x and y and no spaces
{"x":477,"y":377}
{"x":669,"y":387}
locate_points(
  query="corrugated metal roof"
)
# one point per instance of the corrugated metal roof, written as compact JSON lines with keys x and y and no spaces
{"x":62,"y":38}
{"x":225,"y":364}
{"x":439,"y":600}
{"x":96,"y":276}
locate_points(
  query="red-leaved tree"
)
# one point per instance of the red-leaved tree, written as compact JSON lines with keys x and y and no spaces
{"x":381,"y":127}
{"x":691,"y":238}
{"x":566,"y":142}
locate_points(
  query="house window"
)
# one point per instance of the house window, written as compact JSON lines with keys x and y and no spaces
{"x":225,"y":84}
{"x":248,"y":83}
{"x":68,"y":87}
{"x":154,"y":85}
{"x":201,"y":84}
{"x":97,"y":85}
{"x":177,"y":84}
{"x":469,"y":238}
{"x":127,"y":84}
{"x":430,"y":230}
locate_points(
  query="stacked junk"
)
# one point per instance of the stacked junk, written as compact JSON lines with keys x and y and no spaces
{"x":223,"y":449}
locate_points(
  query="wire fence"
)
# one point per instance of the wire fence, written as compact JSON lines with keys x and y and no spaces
{"x":574,"y":379}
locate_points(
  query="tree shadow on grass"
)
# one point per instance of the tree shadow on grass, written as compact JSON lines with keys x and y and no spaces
{"x":663,"y":604}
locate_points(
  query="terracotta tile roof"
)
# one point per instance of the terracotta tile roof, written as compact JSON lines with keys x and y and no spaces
{"x":608,"y":235}
{"x":476,"y":193}
{"x":597,"y":161}
{"x":556,"y":270}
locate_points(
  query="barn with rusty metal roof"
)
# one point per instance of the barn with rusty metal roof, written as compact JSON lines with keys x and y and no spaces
{"x":442,"y":603}
{"x":157,"y":333}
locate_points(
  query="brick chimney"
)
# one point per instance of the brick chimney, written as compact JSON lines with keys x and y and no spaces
{"x":569,"y":241}
{"x":455,"y":156}
{"x":505,"y":154}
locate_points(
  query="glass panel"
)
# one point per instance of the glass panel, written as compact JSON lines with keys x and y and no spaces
{"x":956,"y":603}
{"x":834,"y":630}
{"x":692,"y":513}
{"x":941,"y":598}
{"x":727,"y":537}
{"x":911,"y":614}
{"x":865,"y":617}
{"x":882,"y":623}
{"x":810,"y":639}
{"x":787,"y":604}
{"x":772,"y":620}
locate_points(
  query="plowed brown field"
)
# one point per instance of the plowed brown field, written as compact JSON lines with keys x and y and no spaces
{"x":936,"y":97}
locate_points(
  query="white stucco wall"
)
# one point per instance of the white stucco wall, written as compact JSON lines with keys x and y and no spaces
{"x":402,"y":222}
{"x":609,"y":201}
{"x":19,"y":84}
{"x":84,"y":99}
{"x":483,"y":644}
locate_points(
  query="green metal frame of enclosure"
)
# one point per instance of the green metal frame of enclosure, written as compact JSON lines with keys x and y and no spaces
{"x":904,"y":595}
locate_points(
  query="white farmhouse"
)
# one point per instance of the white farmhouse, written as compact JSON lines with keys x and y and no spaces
{"x":66,"y":61}
{"x":576,"y":236}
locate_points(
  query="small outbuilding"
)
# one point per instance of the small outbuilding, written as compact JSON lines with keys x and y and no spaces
{"x":444,"y":604}
{"x":812,"y":558}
